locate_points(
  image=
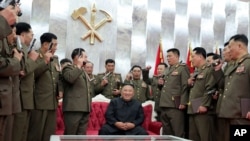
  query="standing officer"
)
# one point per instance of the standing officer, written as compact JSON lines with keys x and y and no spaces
{"x":77,"y":95}
{"x":109,"y":81}
{"x":155,"y":88}
{"x":200,"y":108}
{"x":43,"y":118}
{"x":21,"y":120}
{"x":9,"y":66}
{"x":236,"y":84}
{"x":174,"y":95}
{"x":142,"y":92}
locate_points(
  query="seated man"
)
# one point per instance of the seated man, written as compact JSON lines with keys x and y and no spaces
{"x":124,"y":115}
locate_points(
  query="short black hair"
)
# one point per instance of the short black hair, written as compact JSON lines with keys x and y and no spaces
{"x":174,"y":50}
{"x":22,"y":27}
{"x":130,"y":84}
{"x":200,"y":51}
{"x":109,"y":61}
{"x":47,"y":37}
{"x":77,"y":51}
{"x":216,"y":56}
{"x":210,"y":54}
{"x":164,"y":64}
{"x":226,"y":44}
{"x":136,"y":66}
{"x":241,"y":38}
{"x":65,"y":60}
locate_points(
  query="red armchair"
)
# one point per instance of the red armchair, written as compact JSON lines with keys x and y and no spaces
{"x":97,"y":117}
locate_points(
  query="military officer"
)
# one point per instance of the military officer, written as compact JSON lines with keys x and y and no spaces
{"x":21,"y":120}
{"x":43,"y":118}
{"x":142,"y":91}
{"x":77,"y":95}
{"x":236,"y":86}
{"x":174,"y":95}
{"x":109,"y":81}
{"x":155,"y":88}
{"x":201,"y":109}
{"x":88,"y":67}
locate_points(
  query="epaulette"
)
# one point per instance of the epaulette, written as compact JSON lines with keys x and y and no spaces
{"x":183,"y":64}
{"x":116,"y":73}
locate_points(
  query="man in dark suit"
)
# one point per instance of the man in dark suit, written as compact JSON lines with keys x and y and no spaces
{"x":236,"y":86}
{"x":124,"y":115}
{"x":77,"y":95}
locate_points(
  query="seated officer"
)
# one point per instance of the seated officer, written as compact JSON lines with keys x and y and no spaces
{"x":124,"y":115}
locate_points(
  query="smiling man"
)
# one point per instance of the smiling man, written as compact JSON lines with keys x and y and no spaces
{"x":124,"y":115}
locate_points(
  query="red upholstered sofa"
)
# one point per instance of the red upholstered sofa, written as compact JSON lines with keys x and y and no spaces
{"x":97,"y":118}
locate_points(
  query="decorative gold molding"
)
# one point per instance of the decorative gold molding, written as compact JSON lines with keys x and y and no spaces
{"x":91,"y":26}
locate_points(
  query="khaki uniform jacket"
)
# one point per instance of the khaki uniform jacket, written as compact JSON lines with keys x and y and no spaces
{"x":237,"y":86}
{"x":46,"y":80}
{"x":27,"y":82}
{"x":94,"y":84}
{"x":156,"y":92}
{"x":175,"y":89}
{"x":114,"y":80}
{"x":77,"y":90}
{"x":9,"y":67}
{"x":205,"y":82}
{"x":141,"y":89}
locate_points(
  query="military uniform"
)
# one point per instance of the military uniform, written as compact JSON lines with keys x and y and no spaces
{"x":94,"y":84}
{"x":155,"y":90}
{"x":201,"y":126}
{"x":43,"y":118}
{"x":174,"y":93}
{"x":9,"y":91}
{"x":76,"y":100}
{"x":21,"y":120}
{"x":236,"y":87}
{"x":114,"y":81}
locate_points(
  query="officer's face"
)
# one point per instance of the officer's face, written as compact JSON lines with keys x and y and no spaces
{"x":110,"y":67}
{"x":226,"y":54}
{"x":234,"y":47}
{"x":88,"y":68}
{"x":172,"y":58}
{"x":136,"y":72}
{"x":28,"y":36}
{"x":12,"y":37}
{"x":54,"y":46}
{"x":195,"y":59}
{"x":127,"y":92}
{"x":160,"y":69}
{"x":210,"y":59}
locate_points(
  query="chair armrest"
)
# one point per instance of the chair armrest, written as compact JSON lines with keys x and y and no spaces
{"x":155,"y":127}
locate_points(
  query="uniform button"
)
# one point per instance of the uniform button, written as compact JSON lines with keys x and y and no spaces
{"x":225,"y":89}
{"x":228,"y":83}
{"x":224,"y":96}
{"x":163,"y":91}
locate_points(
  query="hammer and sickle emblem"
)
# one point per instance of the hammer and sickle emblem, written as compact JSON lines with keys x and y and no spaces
{"x":91,"y":26}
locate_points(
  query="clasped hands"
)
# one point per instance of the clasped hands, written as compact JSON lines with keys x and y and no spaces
{"x":125,"y":125}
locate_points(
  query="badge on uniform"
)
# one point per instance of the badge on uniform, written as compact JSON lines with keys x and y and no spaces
{"x":200,"y":76}
{"x":144,"y":85}
{"x":174,"y":73}
{"x":240,"y":69}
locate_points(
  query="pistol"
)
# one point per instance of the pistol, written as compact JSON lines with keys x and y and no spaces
{"x":32,"y":45}
{"x":50,"y":47}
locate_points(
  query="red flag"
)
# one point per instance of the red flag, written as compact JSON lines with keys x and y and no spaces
{"x":189,"y":58}
{"x":159,"y":58}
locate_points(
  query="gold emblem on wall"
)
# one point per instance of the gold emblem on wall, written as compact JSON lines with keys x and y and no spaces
{"x":91,"y":26}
